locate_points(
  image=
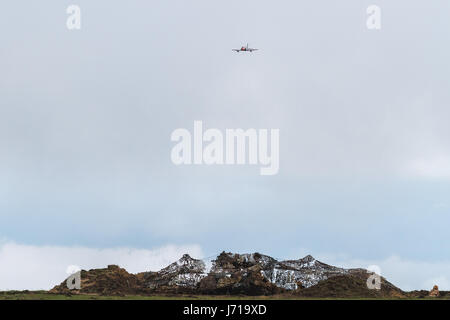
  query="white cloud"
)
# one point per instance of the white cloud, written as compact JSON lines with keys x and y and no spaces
{"x":403,"y":273}
{"x":431,"y":167}
{"x":42,"y":267}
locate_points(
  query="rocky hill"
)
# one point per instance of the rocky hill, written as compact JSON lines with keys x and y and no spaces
{"x":183,"y":275}
{"x":231,"y":273}
{"x":112,"y":280}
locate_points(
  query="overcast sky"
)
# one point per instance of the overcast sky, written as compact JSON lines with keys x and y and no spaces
{"x":86,"y":118}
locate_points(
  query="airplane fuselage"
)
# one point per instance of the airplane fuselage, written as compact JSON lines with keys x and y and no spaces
{"x":245,"y":49}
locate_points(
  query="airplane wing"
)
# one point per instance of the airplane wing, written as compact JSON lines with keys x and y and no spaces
{"x":237,"y":50}
{"x":252,"y":49}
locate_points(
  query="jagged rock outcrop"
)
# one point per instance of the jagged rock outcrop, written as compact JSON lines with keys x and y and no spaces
{"x":352,"y":284}
{"x":239,"y":274}
{"x":112,"y":280}
{"x":230,"y":270}
{"x":301,"y":273}
{"x":183,"y":275}
{"x":230,"y":273}
{"x":434,"y":292}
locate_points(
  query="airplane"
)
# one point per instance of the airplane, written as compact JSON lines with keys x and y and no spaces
{"x":244,"y":49}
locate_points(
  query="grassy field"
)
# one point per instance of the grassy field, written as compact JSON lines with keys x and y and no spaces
{"x":44,"y":295}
